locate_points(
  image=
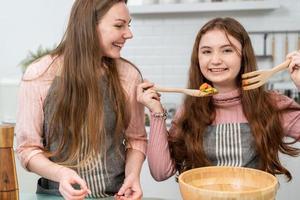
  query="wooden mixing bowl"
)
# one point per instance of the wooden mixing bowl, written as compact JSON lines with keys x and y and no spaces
{"x":227,"y":183}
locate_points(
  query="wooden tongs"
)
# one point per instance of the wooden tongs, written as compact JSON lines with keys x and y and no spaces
{"x":257,"y":78}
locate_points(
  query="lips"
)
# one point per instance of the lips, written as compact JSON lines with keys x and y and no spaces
{"x":120,"y":45}
{"x":218,"y":69}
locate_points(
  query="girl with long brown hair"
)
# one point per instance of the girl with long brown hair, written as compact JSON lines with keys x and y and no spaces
{"x":232,"y":128}
{"x":79,"y":125}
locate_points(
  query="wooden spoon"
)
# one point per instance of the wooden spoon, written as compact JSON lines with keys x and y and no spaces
{"x":190,"y":92}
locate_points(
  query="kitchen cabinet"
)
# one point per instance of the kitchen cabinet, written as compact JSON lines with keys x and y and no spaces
{"x":204,"y":7}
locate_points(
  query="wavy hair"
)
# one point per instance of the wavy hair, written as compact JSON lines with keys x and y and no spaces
{"x":78,"y":111}
{"x":258,"y":106}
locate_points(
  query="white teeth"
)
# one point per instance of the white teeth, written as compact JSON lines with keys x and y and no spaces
{"x":118,"y":45}
{"x":217,"y":69}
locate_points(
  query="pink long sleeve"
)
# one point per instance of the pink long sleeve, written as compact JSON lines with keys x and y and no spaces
{"x":160,"y":163}
{"x":135,"y":132}
{"x":290,"y":119}
{"x":30,"y":113}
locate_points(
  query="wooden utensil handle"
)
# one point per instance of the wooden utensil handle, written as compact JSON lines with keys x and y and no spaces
{"x":167,"y":89}
{"x":281,"y":66}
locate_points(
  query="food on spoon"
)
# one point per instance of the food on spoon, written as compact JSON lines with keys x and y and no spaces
{"x":208,"y":89}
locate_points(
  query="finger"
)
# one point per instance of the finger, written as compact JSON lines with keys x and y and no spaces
{"x":69,"y":196}
{"x":132,"y":196}
{"x":157,"y":99}
{"x":68,"y":188}
{"x":151,"y":91}
{"x":117,"y":197}
{"x":139,"y":90}
{"x":125,"y":198}
{"x":143,"y":87}
{"x":296,"y":68}
{"x":291,"y":54}
{"x":123,"y":188}
{"x":294,"y":65}
{"x":296,"y":61}
{"x":146,"y":85}
{"x":152,"y":96}
{"x":128,"y":193}
{"x":81,"y":182}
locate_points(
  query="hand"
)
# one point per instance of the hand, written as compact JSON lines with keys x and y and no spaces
{"x":294,"y":67}
{"x":131,"y":189}
{"x":67,"y":178}
{"x":149,"y":97}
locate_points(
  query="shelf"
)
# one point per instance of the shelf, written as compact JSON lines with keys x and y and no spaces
{"x":204,"y":7}
{"x":264,"y":56}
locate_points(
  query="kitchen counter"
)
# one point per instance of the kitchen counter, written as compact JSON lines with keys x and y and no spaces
{"x":28,"y":196}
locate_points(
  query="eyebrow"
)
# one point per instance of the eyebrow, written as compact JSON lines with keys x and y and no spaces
{"x":123,"y":20}
{"x":226,"y":45}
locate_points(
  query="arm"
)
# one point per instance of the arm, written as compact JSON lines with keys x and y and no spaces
{"x":42,"y":166}
{"x":159,"y":159}
{"x":29,"y":139}
{"x":291,"y":118}
{"x":136,"y":143}
{"x":131,"y":188}
{"x":294,"y":67}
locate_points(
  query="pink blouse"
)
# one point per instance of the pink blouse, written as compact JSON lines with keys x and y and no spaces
{"x":228,"y":110}
{"x":30,"y":115}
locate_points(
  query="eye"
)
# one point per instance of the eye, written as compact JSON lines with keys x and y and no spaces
{"x":228,"y":50}
{"x":119,"y":26}
{"x":206,"y":52}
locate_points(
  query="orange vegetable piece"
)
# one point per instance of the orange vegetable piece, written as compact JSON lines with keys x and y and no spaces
{"x":204,"y":86}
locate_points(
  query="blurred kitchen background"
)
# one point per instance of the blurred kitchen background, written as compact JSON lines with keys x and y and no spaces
{"x":164,"y":32}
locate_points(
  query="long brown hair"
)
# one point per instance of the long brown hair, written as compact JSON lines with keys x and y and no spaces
{"x":78,"y":103}
{"x":258,"y":106}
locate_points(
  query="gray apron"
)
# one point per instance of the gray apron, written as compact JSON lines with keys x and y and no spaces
{"x":104,"y":178}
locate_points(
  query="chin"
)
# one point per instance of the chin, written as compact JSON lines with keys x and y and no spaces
{"x":114,"y":55}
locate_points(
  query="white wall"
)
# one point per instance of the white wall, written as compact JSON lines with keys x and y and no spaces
{"x":163,"y":42}
{"x":161,"y":49}
{"x":27,"y":24}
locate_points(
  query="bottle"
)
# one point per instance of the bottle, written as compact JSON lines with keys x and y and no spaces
{"x":8,"y":176}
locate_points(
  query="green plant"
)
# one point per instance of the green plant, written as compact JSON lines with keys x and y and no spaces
{"x":34,"y":55}
{"x":147,"y":120}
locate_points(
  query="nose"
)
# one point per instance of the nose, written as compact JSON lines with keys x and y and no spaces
{"x":216,"y":59}
{"x":128,"y":34}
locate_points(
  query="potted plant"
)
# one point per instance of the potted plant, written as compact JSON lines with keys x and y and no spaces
{"x":34,"y":55}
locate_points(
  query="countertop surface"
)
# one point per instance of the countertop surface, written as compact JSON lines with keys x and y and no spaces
{"x":28,"y":196}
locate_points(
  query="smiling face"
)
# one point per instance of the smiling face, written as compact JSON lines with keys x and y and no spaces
{"x":113,"y":30}
{"x":218,"y":59}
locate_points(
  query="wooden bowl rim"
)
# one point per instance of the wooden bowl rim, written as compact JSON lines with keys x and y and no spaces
{"x":273,"y":185}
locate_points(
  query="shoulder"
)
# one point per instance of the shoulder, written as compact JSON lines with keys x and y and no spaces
{"x":128,"y":70}
{"x":40,"y":68}
{"x":282,"y":101}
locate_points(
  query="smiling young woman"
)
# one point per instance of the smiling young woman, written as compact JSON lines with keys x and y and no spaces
{"x":231,"y":128}
{"x":78,"y":122}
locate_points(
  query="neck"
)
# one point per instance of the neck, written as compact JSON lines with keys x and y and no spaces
{"x":225,"y":88}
